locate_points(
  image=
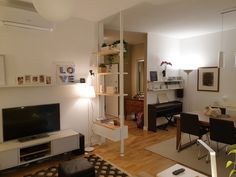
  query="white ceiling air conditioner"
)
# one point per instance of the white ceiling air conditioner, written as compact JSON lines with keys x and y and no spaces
{"x":22,"y":15}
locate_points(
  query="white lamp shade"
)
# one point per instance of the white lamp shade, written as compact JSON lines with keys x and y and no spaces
{"x":221,"y":59}
{"x":55,"y":10}
{"x":86,"y":91}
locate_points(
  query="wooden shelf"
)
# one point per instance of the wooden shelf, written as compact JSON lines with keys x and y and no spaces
{"x":111,"y":94}
{"x":108,"y":52}
{"x":110,"y":73}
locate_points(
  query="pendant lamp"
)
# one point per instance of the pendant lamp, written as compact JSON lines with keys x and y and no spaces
{"x":55,"y":10}
{"x":221,"y":53}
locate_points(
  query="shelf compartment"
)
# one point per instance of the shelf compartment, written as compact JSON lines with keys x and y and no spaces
{"x":34,"y":152}
{"x":109,"y":131}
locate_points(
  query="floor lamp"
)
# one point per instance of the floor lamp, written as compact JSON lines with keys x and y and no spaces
{"x":188,"y":71}
{"x":87,"y":92}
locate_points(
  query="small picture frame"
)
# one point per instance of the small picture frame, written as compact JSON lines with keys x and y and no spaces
{"x":41,"y":79}
{"x":153,"y":75}
{"x":35,"y":79}
{"x":27,"y":79}
{"x":208,"y":79}
{"x":20,"y":80}
{"x":48,"y":80}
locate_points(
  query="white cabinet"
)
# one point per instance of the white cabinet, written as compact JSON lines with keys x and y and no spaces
{"x":110,"y":131}
{"x":14,"y":153}
{"x":66,"y":144}
{"x":8,"y":158}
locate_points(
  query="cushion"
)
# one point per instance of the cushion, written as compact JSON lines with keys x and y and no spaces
{"x":79,"y":167}
{"x":212,"y":112}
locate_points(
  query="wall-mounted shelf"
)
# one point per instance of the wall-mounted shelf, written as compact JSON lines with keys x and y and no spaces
{"x":164,"y":81}
{"x":110,"y":94}
{"x":156,"y":86}
{"x":109,"y":73}
{"x":38,"y":85}
{"x":158,"y":90}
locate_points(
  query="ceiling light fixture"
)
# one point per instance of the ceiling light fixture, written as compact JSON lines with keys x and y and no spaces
{"x":221,"y":53}
{"x":221,"y":61}
{"x":55,"y":10}
{"x":26,"y":26}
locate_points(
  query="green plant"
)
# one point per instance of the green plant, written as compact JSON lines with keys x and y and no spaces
{"x":104,"y":44}
{"x":102,"y":65}
{"x":232,"y":163}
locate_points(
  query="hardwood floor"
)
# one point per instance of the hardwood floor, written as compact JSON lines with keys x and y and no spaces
{"x":136,"y":158}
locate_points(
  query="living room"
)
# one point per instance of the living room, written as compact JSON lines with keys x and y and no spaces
{"x":72,"y":43}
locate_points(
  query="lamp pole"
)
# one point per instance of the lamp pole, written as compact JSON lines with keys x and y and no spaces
{"x":188,"y":71}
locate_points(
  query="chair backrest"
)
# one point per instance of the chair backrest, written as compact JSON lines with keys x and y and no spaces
{"x":222,"y":131}
{"x":189,"y":123}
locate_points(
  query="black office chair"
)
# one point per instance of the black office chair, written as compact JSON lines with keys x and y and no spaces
{"x":222,"y":131}
{"x":189,"y":124}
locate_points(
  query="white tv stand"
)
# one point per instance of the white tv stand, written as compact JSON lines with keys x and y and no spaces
{"x":14,"y":153}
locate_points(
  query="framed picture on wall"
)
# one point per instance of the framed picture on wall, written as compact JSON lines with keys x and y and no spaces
{"x":35,"y":79}
{"x":208,"y":79}
{"x":27,"y":79}
{"x":153,"y":75}
{"x":20,"y":80}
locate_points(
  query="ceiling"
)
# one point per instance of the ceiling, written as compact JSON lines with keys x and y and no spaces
{"x":174,"y":18}
{"x":178,"y":18}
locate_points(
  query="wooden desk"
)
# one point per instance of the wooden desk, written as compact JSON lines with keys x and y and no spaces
{"x":203,"y":119}
{"x":133,"y":105}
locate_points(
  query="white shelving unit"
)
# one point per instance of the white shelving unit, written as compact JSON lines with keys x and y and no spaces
{"x":114,"y":132}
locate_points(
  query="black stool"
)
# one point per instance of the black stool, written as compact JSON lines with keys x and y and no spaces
{"x":79,"y":167}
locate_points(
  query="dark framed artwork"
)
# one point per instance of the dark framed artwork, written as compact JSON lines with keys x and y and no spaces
{"x":208,"y":79}
{"x":153,"y":75}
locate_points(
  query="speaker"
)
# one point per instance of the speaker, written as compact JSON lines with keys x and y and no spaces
{"x":81,"y":145}
{"x":179,"y":93}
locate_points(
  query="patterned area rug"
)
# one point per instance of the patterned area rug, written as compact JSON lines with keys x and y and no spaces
{"x":102,"y":169}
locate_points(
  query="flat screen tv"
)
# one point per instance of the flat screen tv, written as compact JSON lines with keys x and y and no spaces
{"x":26,"y":122}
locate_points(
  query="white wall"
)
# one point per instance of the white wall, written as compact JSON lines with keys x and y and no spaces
{"x":161,"y":48}
{"x":191,"y":53}
{"x":204,"y":49}
{"x":36,"y":52}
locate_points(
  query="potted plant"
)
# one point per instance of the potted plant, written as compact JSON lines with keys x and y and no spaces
{"x":104,"y":46}
{"x":232,"y":163}
{"x":102,"y":68}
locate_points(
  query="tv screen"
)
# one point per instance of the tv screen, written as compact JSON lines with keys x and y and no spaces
{"x":27,"y":121}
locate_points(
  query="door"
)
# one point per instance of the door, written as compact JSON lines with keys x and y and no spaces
{"x":112,"y":102}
